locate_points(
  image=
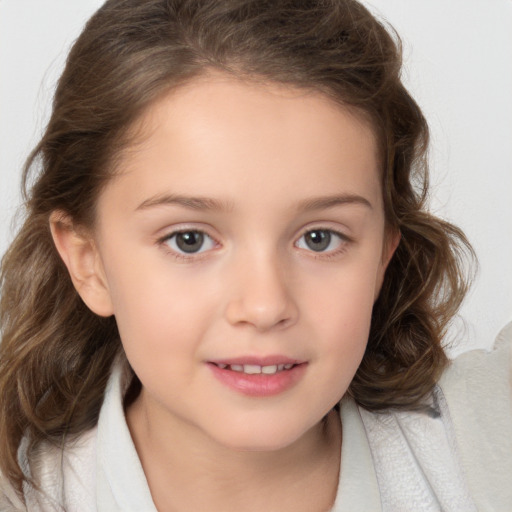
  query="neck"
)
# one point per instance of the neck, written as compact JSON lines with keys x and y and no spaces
{"x":187,"y":470}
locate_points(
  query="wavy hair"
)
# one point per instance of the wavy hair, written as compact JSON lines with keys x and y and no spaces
{"x":55,"y":354}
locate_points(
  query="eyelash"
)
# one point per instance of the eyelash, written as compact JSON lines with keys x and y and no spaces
{"x":164,"y":242}
{"x":344,"y":240}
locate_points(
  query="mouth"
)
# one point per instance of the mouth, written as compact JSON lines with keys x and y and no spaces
{"x":259,"y":377}
{"x":255,"y":369}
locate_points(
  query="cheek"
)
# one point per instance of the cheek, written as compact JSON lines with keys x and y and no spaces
{"x":158,"y":310}
{"x":338,"y":321}
{"x":342,"y":315}
{"x":160,"y":333}
{"x":347,"y":296}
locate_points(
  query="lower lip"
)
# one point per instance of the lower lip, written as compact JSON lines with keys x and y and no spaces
{"x":260,"y":384}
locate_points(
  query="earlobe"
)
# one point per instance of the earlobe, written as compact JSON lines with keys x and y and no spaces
{"x":79,"y":253}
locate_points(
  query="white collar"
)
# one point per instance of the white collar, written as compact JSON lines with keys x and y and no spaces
{"x":122,"y":485}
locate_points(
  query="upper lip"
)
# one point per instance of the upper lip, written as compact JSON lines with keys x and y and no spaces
{"x":271,"y":360}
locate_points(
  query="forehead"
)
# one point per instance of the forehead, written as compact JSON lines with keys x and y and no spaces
{"x":226,"y":137}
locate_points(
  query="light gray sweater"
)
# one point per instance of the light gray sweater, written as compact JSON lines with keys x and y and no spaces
{"x":456,"y":458}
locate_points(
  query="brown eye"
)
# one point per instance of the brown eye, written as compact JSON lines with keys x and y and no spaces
{"x":190,"y":242}
{"x":320,"y":240}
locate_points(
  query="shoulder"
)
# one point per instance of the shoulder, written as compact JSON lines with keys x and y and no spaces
{"x":65,"y":474}
{"x":459,"y":452}
{"x":9,"y":500}
{"x":97,"y":471}
{"x":481,"y":374}
{"x":477,"y":388}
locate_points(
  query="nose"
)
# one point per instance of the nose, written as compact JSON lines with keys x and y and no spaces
{"x":261,"y":295}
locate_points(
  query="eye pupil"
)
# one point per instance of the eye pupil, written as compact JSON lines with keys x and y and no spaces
{"x":190,"y":241}
{"x":318,"y":240}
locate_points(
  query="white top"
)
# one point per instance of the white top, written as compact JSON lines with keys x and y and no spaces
{"x":457,"y":458}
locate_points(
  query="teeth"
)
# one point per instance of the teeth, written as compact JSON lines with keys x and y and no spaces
{"x":251,"y":369}
{"x":254,"y":369}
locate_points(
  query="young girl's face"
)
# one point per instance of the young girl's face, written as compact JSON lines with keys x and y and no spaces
{"x":245,"y":234}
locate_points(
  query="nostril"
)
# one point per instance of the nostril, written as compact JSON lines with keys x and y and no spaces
{"x":260,"y":298}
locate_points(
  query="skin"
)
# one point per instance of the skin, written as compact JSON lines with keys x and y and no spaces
{"x":264,"y":154}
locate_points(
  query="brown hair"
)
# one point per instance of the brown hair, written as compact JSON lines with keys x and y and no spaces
{"x":55,"y":354}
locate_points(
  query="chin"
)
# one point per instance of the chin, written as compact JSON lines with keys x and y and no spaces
{"x":261,"y":438}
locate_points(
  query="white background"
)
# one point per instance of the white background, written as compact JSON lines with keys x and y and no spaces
{"x":458,"y":57}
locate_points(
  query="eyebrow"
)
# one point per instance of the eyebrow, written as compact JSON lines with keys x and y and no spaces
{"x":192,"y":203}
{"x":325,"y":202}
{"x":210,"y":204}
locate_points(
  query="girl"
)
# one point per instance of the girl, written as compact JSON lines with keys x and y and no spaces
{"x":227,"y":293}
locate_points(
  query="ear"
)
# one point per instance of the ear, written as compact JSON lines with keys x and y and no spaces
{"x":79,"y":253}
{"x":391,"y":241}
